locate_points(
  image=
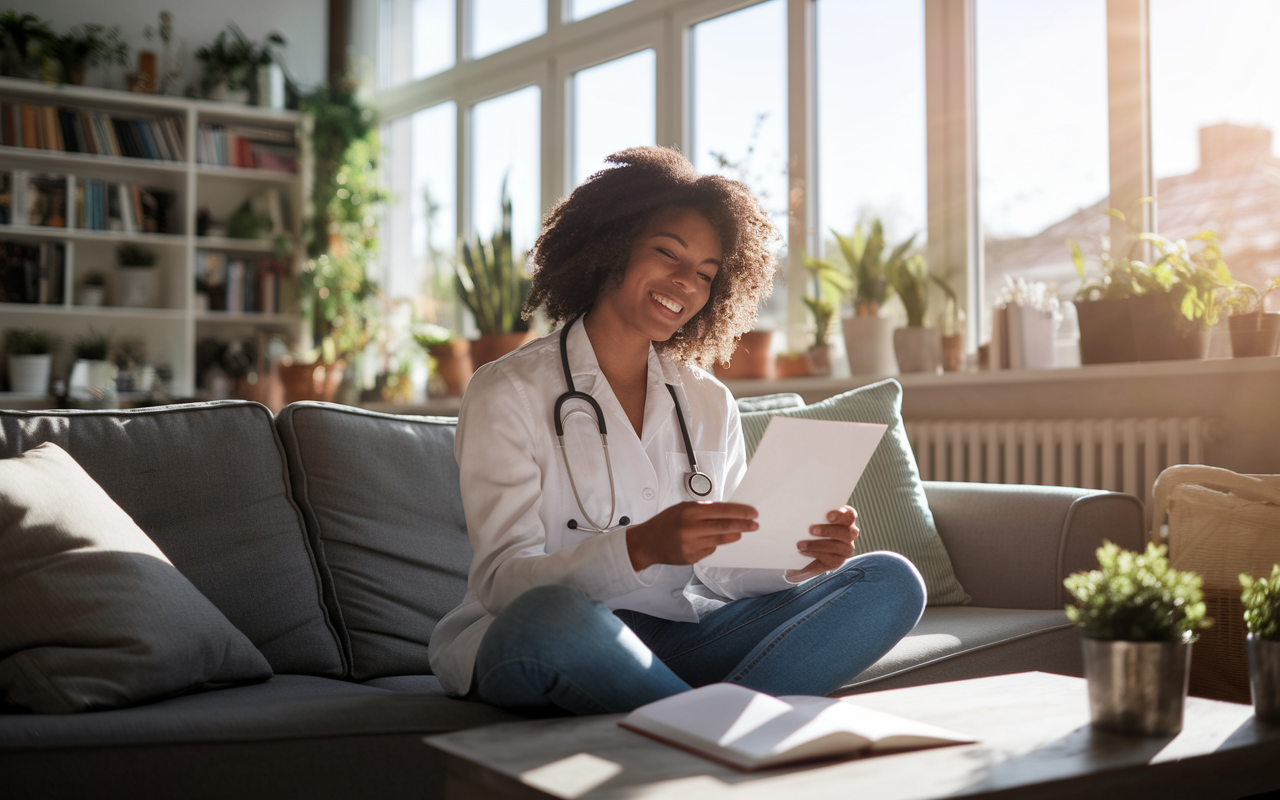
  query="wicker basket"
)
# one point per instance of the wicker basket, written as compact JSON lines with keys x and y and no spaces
{"x":1220,"y":525}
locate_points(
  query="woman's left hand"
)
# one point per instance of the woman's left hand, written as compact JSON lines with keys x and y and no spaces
{"x":833,"y":546}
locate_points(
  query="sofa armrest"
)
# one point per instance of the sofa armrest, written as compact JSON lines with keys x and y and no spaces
{"x":1012,"y":546}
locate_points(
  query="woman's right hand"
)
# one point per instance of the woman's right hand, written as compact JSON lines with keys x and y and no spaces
{"x":687,"y":532}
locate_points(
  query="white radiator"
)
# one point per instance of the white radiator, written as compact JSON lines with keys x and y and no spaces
{"x":1123,"y":455}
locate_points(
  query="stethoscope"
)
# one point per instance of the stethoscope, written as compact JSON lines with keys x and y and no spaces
{"x":697,"y":482}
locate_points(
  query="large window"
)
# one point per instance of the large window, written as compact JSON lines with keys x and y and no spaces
{"x":1215,"y":109}
{"x":739,"y":93}
{"x":613,"y":109}
{"x":1043,"y":163}
{"x":416,"y":39}
{"x":871,"y":116}
{"x":507,"y":153}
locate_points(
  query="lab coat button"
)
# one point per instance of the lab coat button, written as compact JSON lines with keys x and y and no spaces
{"x":648,"y":494}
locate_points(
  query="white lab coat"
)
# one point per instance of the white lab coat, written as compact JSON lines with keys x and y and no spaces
{"x":518,"y":500}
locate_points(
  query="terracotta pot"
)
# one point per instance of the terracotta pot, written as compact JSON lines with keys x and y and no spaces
{"x":868,"y":342}
{"x":453,"y":365}
{"x":493,"y":346}
{"x":952,"y":352}
{"x":819,"y":358}
{"x":752,"y":360}
{"x":792,"y":365}
{"x":311,"y":381}
{"x":1161,"y":333}
{"x":918,"y":349}
{"x":1254,"y":334}
{"x":1106,"y":331}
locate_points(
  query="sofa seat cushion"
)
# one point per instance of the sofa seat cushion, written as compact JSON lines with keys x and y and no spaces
{"x":954,"y":643}
{"x":383,"y":508}
{"x":207,"y":482}
{"x":94,"y":614}
{"x":285,"y":707}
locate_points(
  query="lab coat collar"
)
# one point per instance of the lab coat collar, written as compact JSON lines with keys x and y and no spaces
{"x":587,"y":377}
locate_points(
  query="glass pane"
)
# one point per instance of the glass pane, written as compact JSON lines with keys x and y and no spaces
{"x":740,"y":111}
{"x":871,"y":117}
{"x":421,"y":170}
{"x":415,"y":40}
{"x":507,"y":147}
{"x":613,"y":109}
{"x":1213,"y":128}
{"x":1043,"y":163}
{"x":499,"y":24}
{"x":586,"y":8}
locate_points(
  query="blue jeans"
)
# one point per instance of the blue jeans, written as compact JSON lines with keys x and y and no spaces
{"x":554,"y":646}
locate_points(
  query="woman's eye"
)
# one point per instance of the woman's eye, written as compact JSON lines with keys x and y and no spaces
{"x":666,"y":252}
{"x":705,"y":276}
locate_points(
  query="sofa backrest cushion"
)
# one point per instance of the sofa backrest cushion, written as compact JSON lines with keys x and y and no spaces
{"x":380,"y":496}
{"x":207,"y":482}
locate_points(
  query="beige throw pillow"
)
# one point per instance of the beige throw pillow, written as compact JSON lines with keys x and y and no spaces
{"x":92,"y":614}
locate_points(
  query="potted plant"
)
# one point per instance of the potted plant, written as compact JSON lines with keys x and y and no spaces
{"x":824,"y":304}
{"x":1182,"y":294}
{"x":84,"y":46}
{"x":1261,"y":600}
{"x":93,"y":290}
{"x":30,"y":359}
{"x":137,"y":285}
{"x":232,"y":63}
{"x":492,"y":285}
{"x":1104,"y":305}
{"x":92,"y":375}
{"x":450,"y":356}
{"x":916,"y":348}
{"x":1139,"y":618}
{"x":868,"y":337}
{"x":1254,"y":332}
{"x":18,"y":32}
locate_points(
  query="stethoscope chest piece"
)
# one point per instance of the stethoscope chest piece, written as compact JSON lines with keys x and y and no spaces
{"x":699,"y":484}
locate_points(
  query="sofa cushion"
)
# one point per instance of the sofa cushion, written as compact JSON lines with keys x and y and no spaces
{"x":95,"y":615}
{"x":207,"y":483}
{"x":380,"y":496}
{"x":770,"y":402}
{"x":953,"y":643}
{"x":893,"y":513}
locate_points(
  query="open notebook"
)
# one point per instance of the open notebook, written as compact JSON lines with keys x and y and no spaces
{"x":749,"y":730}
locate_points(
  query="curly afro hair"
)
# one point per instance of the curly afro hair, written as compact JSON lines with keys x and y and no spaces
{"x":587,"y":238}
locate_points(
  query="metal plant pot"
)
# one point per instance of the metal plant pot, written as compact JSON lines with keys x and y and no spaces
{"x":1137,"y":687}
{"x":1264,"y":678}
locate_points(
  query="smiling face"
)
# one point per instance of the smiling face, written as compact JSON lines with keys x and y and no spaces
{"x":668,"y":278}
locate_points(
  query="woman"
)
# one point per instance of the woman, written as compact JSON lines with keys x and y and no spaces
{"x":584,"y":590}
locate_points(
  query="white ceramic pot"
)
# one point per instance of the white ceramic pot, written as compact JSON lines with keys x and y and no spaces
{"x":221,"y":93}
{"x":93,"y":381}
{"x":137,"y":287}
{"x":868,"y":342}
{"x":91,"y":296}
{"x":918,"y":349}
{"x":30,"y":374}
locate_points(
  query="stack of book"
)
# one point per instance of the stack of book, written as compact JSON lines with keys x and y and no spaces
{"x":237,"y":284}
{"x":247,"y":146}
{"x":79,"y":131}
{"x":32,"y":273}
{"x":127,"y":207}
{"x":33,"y":198}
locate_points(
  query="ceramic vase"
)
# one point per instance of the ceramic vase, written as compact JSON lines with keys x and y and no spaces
{"x":452,"y":361}
{"x":1137,"y":688}
{"x":868,"y":341}
{"x":918,"y":349}
{"x":317,"y":381}
{"x":30,"y":374}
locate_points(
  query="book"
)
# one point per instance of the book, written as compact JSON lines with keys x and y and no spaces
{"x":749,"y":730}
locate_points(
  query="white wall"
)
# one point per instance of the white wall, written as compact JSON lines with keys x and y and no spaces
{"x":303,"y":23}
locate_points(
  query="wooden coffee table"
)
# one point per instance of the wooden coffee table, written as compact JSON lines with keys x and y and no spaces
{"x":1034,"y":736}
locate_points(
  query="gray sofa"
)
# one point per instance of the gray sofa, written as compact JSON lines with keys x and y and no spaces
{"x":334,"y":539}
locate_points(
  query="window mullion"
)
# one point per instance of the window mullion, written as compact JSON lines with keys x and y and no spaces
{"x":801,"y":176}
{"x":1129,"y":118}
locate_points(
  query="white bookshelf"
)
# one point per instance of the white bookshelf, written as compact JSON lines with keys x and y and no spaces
{"x":171,"y":332}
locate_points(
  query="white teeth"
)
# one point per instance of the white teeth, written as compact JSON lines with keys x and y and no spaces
{"x":667,"y":304}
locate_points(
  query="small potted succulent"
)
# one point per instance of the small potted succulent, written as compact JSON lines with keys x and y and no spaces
{"x":824,"y":304}
{"x":1254,"y":332}
{"x":1139,"y":618}
{"x":450,"y":356}
{"x":30,"y":359}
{"x":1182,"y":295}
{"x":868,"y":337}
{"x":1261,"y":600}
{"x":916,"y":347}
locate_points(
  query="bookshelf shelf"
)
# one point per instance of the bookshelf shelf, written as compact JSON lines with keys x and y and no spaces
{"x":170,"y":333}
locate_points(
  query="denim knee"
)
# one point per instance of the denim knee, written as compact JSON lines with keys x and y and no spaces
{"x":901,"y":579}
{"x":551,"y":618}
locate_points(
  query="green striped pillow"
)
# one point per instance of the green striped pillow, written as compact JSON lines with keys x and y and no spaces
{"x":893,"y":513}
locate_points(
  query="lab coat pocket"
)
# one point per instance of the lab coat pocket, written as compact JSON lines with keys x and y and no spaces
{"x":710,"y":462}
